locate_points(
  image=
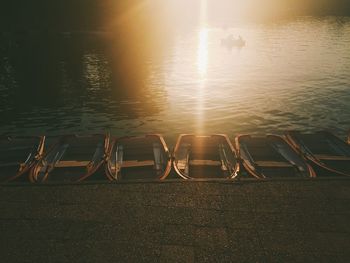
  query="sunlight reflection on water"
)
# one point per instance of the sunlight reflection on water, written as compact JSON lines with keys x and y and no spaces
{"x":290,"y":75}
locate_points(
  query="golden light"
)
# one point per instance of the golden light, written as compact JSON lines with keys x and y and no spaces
{"x":202,"y":52}
{"x":202,"y":63}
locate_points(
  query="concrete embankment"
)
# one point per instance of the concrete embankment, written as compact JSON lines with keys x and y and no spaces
{"x":272,"y":221}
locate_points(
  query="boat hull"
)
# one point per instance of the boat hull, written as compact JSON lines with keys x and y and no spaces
{"x":138,"y":158}
{"x":18,"y":155}
{"x":205,"y":157}
{"x":326,"y":152}
{"x":271,"y":157}
{"x":71,"y":158}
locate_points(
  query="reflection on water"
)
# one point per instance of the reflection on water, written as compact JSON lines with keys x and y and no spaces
{"x":202,"y":60}
{"x":291,"y":75}
{"x":202,"y":64}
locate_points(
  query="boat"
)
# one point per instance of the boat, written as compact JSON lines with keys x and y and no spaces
{"x":18,"y":155}
{"x":329,"y":154}
{"x":138,"y":158}
{"x":271,"y":156}
{"x":231,"y":42}
{"x":205,"y":157}
{"x":72,"y":158}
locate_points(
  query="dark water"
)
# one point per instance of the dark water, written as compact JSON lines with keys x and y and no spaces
{"x":292,"y":74}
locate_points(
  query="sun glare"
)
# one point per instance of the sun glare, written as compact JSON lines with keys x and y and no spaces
{"x":202,"y":63}
{"x":202,"y":52}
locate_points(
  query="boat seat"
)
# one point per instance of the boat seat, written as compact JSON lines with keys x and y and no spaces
{"x":136,"y":163}
{"x":64,"y":164}
{"x":205,"y":162}
{"x":181,"y":164}
{"x":273,"y":164}
{"x":332,"y":157}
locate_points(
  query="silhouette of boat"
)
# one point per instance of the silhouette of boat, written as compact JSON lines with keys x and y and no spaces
{"x":271,"y":157}
{"x":230,"y":42}
{"x":328,"y":153}
{"x":71,"y":159}
{"x":205,"y":157}
{"x":138,"y":158}
{"x":18,"y":155}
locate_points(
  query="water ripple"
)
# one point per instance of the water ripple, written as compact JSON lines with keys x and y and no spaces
{"x":291,"y":75}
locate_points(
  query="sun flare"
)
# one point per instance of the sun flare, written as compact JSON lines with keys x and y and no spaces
{"x":202,"y":52}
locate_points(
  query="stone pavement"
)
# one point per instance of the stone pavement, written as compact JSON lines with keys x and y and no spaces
{"x":270,"y":221}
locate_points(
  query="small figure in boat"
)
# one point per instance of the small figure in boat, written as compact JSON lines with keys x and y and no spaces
{"x":230,"y":41}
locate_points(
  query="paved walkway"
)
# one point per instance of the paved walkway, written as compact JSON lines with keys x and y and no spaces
{"x":277,"y":221}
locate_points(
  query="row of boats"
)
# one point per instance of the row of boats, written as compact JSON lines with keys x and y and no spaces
{"x":76,"y":158}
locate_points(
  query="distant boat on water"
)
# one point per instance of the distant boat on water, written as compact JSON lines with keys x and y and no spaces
{"x":230,"y":41}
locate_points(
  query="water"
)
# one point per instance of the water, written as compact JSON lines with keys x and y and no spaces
{"x":292,"y":74}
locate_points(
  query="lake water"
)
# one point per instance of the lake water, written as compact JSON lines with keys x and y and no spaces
{"x":293,"y":74}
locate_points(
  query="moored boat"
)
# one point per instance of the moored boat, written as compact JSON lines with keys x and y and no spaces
{"x":328,"y":153}
{"x":72,"y":158}
{"x":205,"y":157}
{"x":138,"y":158}
{"x":271,"y":157}
{"x":18,"y":155}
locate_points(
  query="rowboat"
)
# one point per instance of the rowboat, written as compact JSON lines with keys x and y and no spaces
{"x":231,"y":42}
{"x":138,"y":158}
{"x":205,"y":157}
{"x":72,"y":158}
{"x":271,"y":157}
{"x":18,"y":155}
{"x":328,"y":153}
